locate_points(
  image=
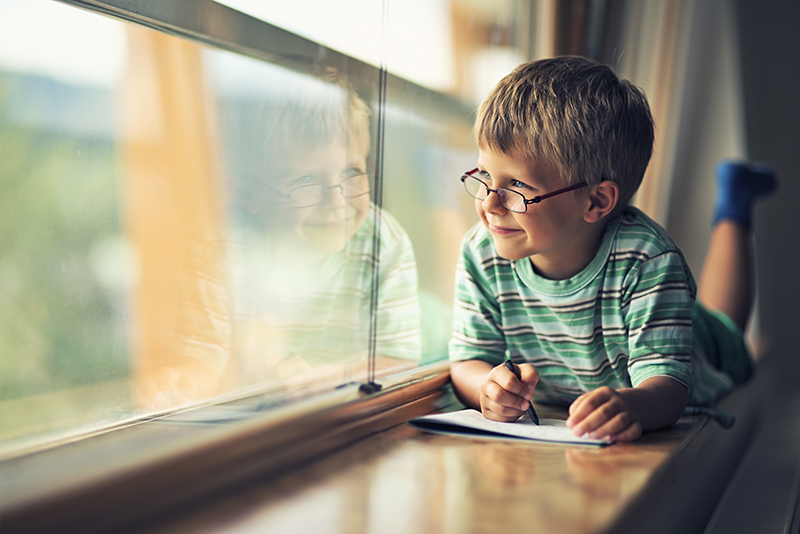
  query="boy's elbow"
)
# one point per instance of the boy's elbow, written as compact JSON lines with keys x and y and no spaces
{"x":467,"y":377}
{"x":668,"y":399}
{"x":680,"y":398}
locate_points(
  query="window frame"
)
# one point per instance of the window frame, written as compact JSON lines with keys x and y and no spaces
{"x":222,"y":27}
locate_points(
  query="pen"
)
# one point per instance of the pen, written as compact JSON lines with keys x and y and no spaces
{"x":531,"y":411}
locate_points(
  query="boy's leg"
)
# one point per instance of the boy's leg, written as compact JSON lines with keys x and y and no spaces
{"x":727,"y":282}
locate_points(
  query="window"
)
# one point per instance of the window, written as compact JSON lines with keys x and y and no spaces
{"x":192,"y":215}
{"x":206,"y":202}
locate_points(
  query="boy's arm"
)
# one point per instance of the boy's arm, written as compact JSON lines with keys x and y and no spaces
{"x":656,"y":304}
{"x":622,"y":415}
{"x":478,"y":347}
{"x":494,"y":390}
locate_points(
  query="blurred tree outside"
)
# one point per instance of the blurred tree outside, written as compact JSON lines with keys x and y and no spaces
{"x":64,"y":265}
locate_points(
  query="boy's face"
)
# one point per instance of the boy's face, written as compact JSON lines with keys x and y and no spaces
{"x":327,"y":226}
{"x":553,"y":233}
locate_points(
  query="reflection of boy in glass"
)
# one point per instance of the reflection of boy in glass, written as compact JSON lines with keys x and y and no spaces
{"x":328,"y":228}
{"x":295,"y":299}
{"x":315,"y":202}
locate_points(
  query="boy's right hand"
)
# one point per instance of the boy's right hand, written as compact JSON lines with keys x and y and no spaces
{"x":504,"y":397}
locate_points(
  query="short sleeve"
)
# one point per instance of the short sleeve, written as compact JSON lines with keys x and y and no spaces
{"x":657,"y":306}
{"x":476,"y":313}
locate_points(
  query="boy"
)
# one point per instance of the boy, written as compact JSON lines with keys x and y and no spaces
{"x":588,"y":296}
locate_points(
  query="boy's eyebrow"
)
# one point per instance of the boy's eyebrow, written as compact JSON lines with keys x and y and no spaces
{"x":294,"y":174}
{"x":528,"y":183}
{"x":281,"y":175}
{"x":527,"y":180}
{"x":286,"y":176}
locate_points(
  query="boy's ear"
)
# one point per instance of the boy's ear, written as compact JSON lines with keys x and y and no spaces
{"x":603,"y":199}
{"x":244,"y":195}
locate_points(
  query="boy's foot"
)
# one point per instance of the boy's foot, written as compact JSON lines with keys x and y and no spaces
{"x":739,"y":184}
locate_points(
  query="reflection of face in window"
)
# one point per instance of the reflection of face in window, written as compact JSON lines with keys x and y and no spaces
{"x":305,"y":174}
{"x":319,"y":199}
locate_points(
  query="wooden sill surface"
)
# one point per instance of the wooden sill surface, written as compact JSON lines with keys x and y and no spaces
{"x":403,"y":480}
{"x":357,"y":468}
{"x":133,"y":475}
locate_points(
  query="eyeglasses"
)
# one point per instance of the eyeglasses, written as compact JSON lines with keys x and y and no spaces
{"x":305,"y":196}
{"x":510,"y":200}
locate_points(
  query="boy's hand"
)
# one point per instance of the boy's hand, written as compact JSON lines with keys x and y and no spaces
{"x":503,"y":397}
{"x":624,"y":414}
{"x":604,"y":413}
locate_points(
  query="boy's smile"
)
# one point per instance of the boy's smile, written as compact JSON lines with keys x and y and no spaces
{"x":327,"y":226}
{"x":553,"y":233}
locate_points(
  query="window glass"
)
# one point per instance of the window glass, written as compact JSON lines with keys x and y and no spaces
{"x":457,"y":47}
{"x":317,"y":283}
{"x":415,"y":36}
{"x":181,"y":223}
{"x":68,"y":268}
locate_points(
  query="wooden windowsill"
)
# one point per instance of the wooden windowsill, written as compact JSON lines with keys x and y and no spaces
{"x":120,"y":478}
{"x":403,"y":480}
{"x":372,"y":473}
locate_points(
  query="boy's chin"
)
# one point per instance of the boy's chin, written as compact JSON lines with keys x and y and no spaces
{"x":509,"y":253}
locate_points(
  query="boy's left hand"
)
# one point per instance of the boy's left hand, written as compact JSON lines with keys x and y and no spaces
{"x":604,"y":413}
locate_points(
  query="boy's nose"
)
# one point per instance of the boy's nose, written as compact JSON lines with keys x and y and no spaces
{"x":334,"y":197}
{"x":492,"y":203}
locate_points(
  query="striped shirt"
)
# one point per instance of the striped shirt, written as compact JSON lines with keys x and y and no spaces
{"x":625,"y":318}
{"x":272,"y":314}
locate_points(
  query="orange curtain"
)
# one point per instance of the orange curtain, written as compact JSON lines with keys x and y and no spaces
{"x":172,"y":186}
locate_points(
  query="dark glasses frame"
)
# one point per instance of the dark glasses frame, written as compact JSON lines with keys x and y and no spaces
{"x":502,"y":193}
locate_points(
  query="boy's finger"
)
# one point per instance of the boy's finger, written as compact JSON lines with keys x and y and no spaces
{"x":629,"y":434}
{"x":500,"y":395}
{"x":591,"y":423}
{"x":613,"y":426}
{"x":529,"y":376}
{"x":508,"y":381}
{"x":498,"y":412}
{"x":586,"y":404}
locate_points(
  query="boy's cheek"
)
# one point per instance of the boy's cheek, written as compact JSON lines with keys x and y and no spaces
{"x":481,"y":213}
{"x":479,"y":209}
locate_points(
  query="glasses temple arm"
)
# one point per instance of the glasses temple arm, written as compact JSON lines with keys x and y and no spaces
{"x":554,"y":193}
{"x":276,"y":191}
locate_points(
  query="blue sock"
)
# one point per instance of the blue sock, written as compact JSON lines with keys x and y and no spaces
{"x":739,"y":184}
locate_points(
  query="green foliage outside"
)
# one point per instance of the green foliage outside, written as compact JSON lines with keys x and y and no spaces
{"x":61,"y":325}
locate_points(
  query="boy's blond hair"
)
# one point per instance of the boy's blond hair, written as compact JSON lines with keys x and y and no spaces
{"x":322,"y":108}
{"x":308,"y":111}
{"x":576,"y":114}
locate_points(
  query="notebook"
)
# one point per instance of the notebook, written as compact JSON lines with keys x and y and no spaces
{"x":471,"y":423}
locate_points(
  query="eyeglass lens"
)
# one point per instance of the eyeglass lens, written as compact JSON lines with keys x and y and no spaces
{"x":511,"y":200}
{"x":311,"y":195}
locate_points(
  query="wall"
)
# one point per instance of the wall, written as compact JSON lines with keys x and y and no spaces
{"x":769,"y":42}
